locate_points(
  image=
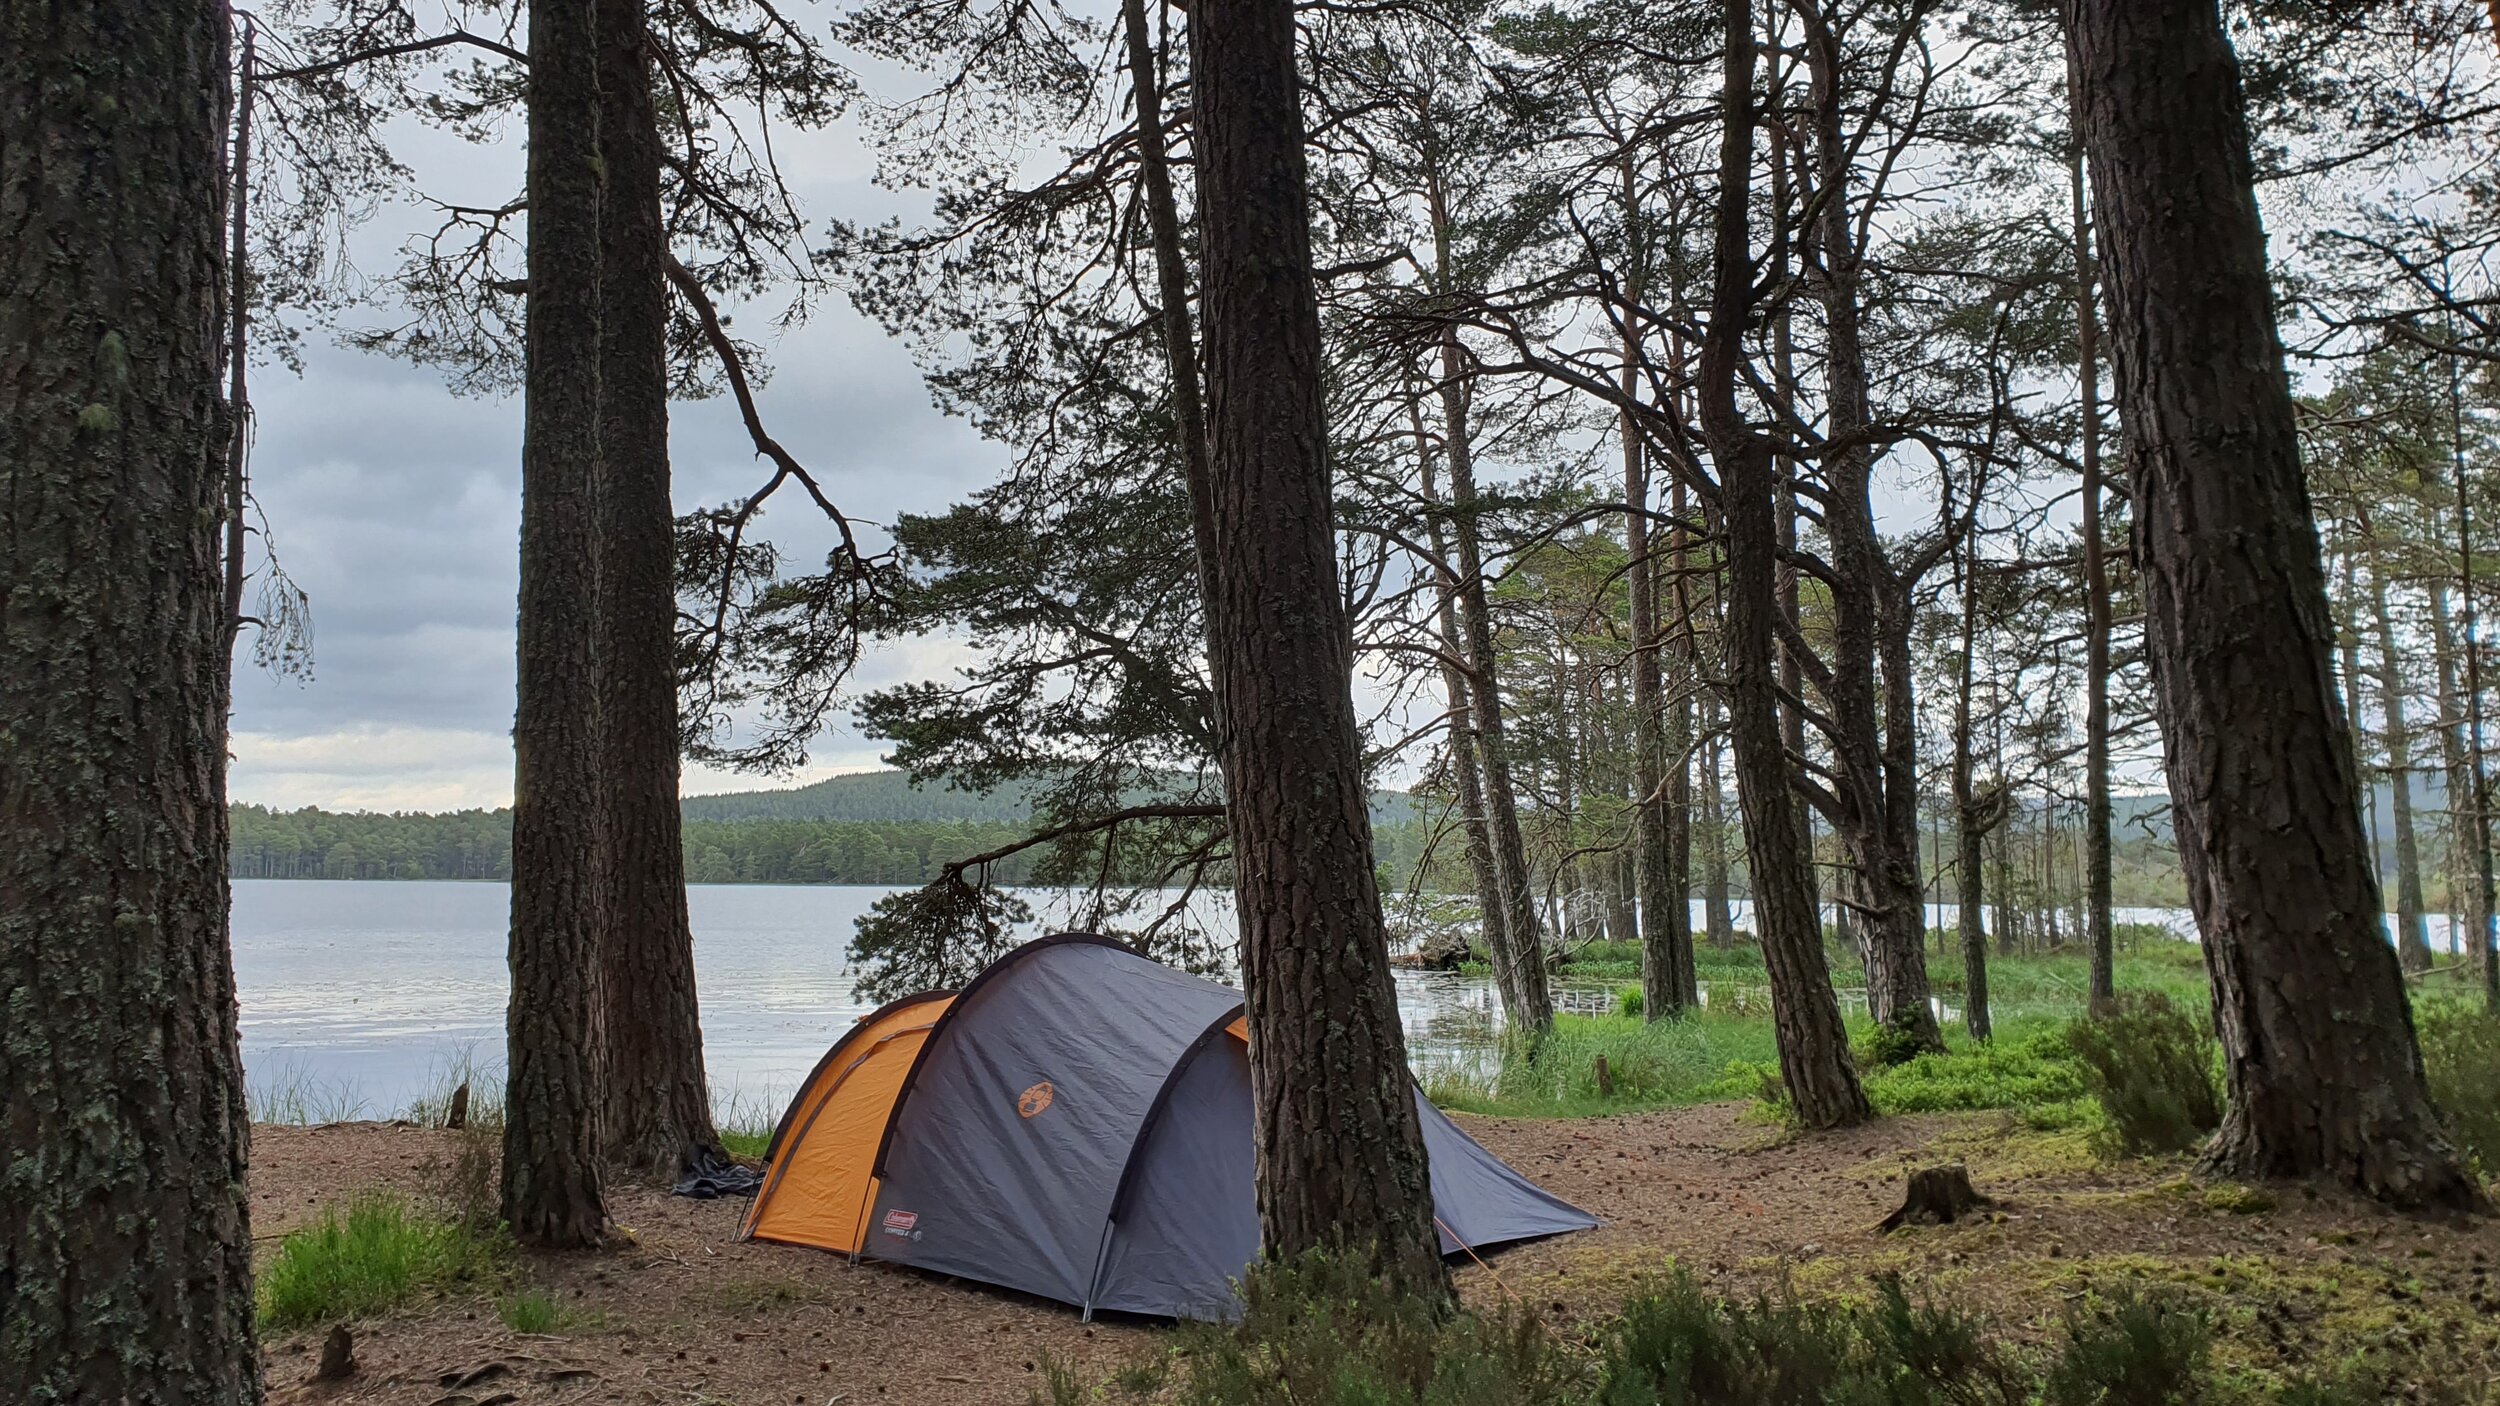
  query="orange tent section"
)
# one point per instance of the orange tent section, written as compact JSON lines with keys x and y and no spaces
{"x":821,"y":1184}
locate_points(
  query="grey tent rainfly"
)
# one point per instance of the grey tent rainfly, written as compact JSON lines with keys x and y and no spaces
{"x":1074,"y":1123}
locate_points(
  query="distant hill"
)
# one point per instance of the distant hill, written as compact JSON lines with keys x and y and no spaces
{"x":889,"y":796}
{"x":865,"y":795}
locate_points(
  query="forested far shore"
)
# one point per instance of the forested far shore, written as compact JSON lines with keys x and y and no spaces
{"x":313,"y":843}
{"x":2038,"y":859}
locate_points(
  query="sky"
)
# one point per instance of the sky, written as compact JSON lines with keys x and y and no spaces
{"x":396,"y":505}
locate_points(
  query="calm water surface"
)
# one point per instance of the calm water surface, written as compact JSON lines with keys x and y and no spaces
{"x":359,"y":998}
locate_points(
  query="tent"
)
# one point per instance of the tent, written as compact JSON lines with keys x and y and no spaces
{"x":1073,"y":1123}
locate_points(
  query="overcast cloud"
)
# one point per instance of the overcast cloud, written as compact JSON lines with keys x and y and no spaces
{"x":396,"y":505}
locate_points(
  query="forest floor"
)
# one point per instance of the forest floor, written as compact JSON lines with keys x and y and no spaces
{"x":681,"y":1312}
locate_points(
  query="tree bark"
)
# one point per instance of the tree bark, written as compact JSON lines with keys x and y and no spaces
{"x":2413,"y":944}
{"x":1340,"y":1150}
{"x":2324,"y":1076}
{"x":125,"y":1243}
{"x":658,"y":1114}
{"x":555,"y":1027}
{"x":1814,"y":1046}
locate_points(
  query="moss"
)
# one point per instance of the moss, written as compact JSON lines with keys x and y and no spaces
{"x":2232,"y":1198}
{"x":764,"y":1295}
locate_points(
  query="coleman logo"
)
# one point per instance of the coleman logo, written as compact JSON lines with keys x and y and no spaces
{"x":1033,"y":1100}
{"x":903,"y":1225}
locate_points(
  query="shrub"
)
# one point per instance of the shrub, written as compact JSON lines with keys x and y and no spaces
{"x":2035,"y":1073}
{"x":2150,"y":1066}
{"x":2461,"y":1055}
{"x":1894,"y":1042}
{"x":1319,"y":1331}
{"x":377,"y":1256}
{"x":2133,"y":1351}
{"x":1676,"y":1345}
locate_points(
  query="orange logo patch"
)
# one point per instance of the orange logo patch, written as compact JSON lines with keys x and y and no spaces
{"x":1033,"y":1100}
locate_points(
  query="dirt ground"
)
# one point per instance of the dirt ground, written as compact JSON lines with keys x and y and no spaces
{"x":683,"y":1313}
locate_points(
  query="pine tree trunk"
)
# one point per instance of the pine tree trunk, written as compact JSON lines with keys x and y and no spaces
{"x":1525,"y":959}
{"x":2323,"y":1074}
{"x":2465,"y":915}
{"x":1970,"y":819}
{"x":1340,"y":1150}
{"x":1664,"y":915}
{"x":2096,"y":843}
{"x":1814,"y":1047}
{"x":1869,"y":688}
{"x":555,"y":1028}
{"x":2413,"y":944}
{"x":125,"y":1243}
{"x":1465,"y":768}
{"x":658,"y":1112}
{"x":1717,"y":917}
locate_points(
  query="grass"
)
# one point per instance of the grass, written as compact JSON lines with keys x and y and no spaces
{"x":537,"y":1312}
{"x":375,"y":1256}
{"x":745,"y":1124}
{"x":295,"y":1095}
{"x":1727,"y":1050}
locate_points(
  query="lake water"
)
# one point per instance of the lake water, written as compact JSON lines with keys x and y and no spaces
{"x":359,"y":998}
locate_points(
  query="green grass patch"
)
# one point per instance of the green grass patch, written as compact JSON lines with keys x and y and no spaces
{"x":374,"y":1257}
{"x":539,"y":1312}
{"x":1698,"y":1059}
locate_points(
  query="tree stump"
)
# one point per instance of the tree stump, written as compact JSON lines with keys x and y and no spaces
{"x":1937,"y":1196}
{"x":338,"y":1356}
{"x":457,"y":1116}
{"x":1605,"y":1079}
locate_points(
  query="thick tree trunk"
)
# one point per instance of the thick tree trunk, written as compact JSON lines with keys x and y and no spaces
{"x":2323,"y":1074}
{"x":555,"y":1028}
{"x":1340,"y":1150}
{"x":1814,"y":1046}
{"x":125,"y":1244}
{"x":658,"y":1113}
{"x":2096,"y":844}
{"x":2413,"y":944}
